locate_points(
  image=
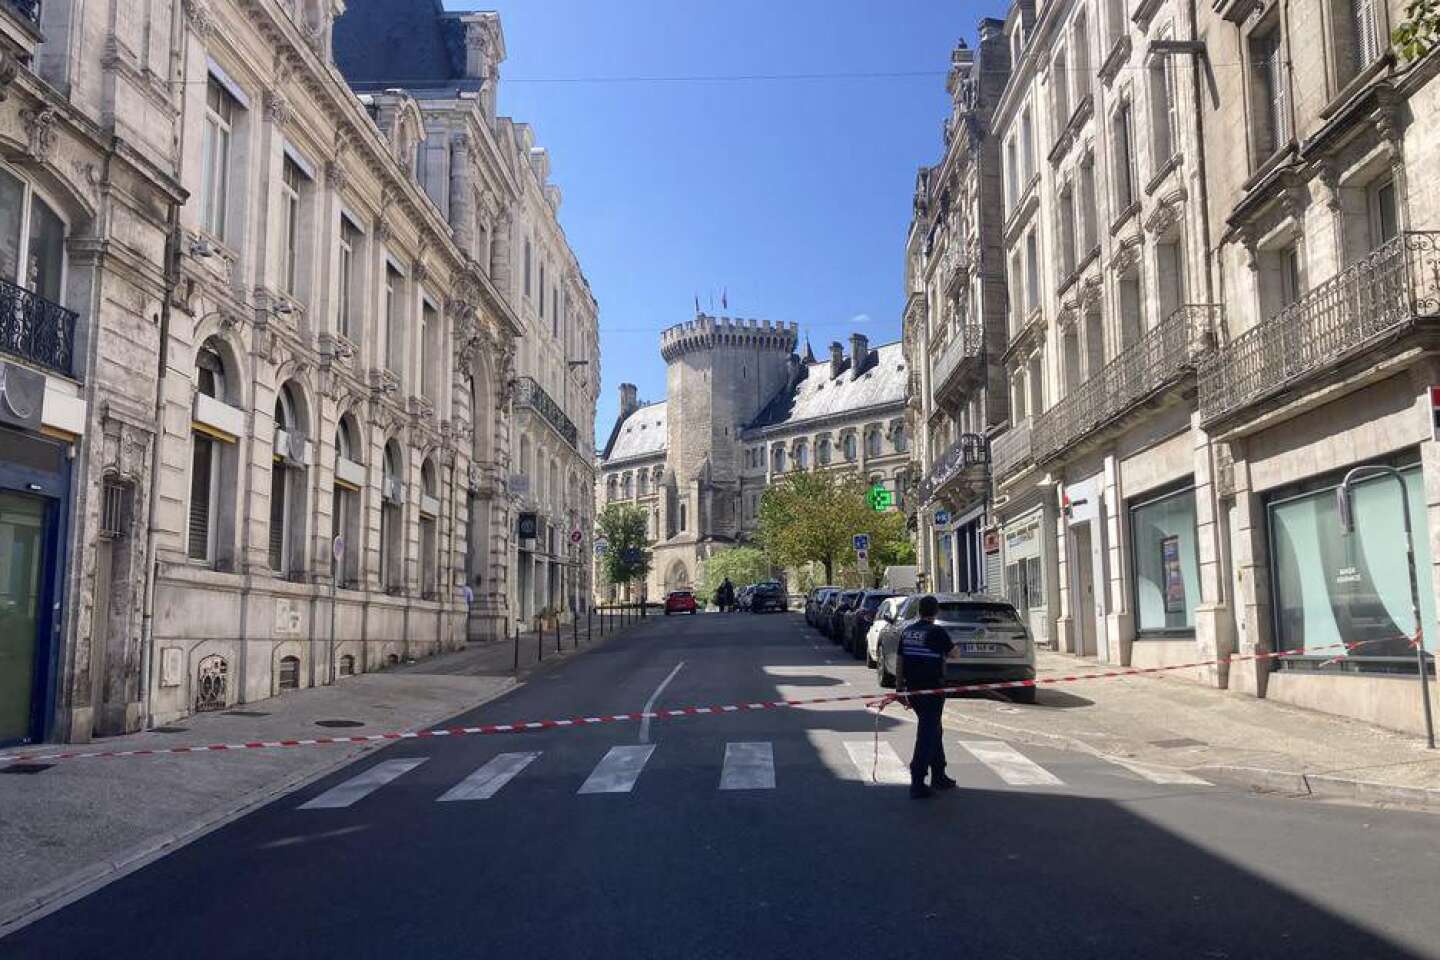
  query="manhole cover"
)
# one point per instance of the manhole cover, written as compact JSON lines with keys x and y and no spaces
{"x":169,"y":729}
{"x":1177,"y":742}
{"x":339,"y":723}
{"x":245,"y":713}
{"x":25,"y":767}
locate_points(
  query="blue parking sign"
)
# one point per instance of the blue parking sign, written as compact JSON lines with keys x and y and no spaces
{"x":862,"y":541}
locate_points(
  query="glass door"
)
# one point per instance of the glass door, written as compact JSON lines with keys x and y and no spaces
{"x":22,"y":609}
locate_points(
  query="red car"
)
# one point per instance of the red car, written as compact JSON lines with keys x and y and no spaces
{"x":679,"y":601}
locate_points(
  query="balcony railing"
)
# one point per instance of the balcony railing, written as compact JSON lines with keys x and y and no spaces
{"x":1382,"y":295}
{"x":1159,"y":359}
{"x":34,"y":329}
{"x":966,"y":344}
{"x":971,"y":450}
{"x":1010,"y":450}
{"x":530,"y":394}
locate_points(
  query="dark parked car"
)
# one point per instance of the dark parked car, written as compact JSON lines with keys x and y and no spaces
{"x":768,"y":596}
{"x":826,"y":613}
{"x":991,"y":642}
{"x":858,"y":620}
{"x":837,"y":615}
{"x":814,"y":602}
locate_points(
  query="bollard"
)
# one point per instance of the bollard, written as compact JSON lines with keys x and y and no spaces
{"x":539,"y":640}
{"x":557,"y":636}
{"x":589,"y":623}
{"x":575,"y":632}
{"x":516,"y":633}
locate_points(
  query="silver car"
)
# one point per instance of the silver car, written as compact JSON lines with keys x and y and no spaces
{"x":883,"y":618}
{"x":992,"y":644}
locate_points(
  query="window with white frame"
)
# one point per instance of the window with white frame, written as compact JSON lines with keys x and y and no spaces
{"x":1122,"y":129}
{"x":394,"y":339}
{"x":1384,"y":211}
{"x":345,"y":503}
{"x":1012,"y":175}
{"x":1032,"y":272}
{"x":1269,"y":90}
{"x":1027,"y":147}
{"x":429,"y":538}
{"x":1067,"y":231}
{"x":1060,"y":89}
{"x":1164,"y":124}
{"x":1089,"y":213}
{"x":1169,"y":277}
{"x":287,"y":484}
{"x":348,"y":294}
{"x":1359,"y":36}
{"x":392,"y":517}
{"x":216,"y":144}
{"x":430,"y":371}
{"x":32,"y":239}
{"x":212,"y":462}
{"x":290,"y":180}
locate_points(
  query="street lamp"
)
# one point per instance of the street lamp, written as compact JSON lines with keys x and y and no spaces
{"x":1347,"y":523}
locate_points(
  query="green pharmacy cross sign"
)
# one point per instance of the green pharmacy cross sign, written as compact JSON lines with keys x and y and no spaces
{"x":879,"y":498}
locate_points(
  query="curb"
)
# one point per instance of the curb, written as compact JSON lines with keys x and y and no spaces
{"x":19,"y":913}
{"x":1321,"y":786}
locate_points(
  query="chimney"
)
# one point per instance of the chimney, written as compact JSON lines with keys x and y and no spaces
{"x":628,"y":400}
{"x":859,"y":353}
{"x":837,"y":358}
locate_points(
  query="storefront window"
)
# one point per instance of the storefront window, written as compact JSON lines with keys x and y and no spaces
{"x":1332,"y":587}
{"x":1167,"y":563}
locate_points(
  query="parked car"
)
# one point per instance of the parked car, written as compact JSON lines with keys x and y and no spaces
{"x":826,"y":616}
{"x":680,"y":601}
{"x":884,"y":615}
{"x":813,"y":601}
{"x":742,"y":599}
{"x":858,"y":619}
{"x":992,"y":643}
{"x":817,"y":615}
{"x":769,"y":595}
{"x":837,"y":615}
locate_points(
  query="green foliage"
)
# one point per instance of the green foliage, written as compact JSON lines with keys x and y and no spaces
{"x":625,"y":526}
{"x":1417,"y":33}
{"x":743,"y":565}
{"x":812,"y":516}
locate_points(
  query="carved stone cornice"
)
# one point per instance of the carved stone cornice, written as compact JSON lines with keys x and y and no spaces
{"x":199,"y":17}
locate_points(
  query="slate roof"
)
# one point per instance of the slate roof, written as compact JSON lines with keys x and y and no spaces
{"x":883,"y":381}
{"x":401,"y":43}
{"x":641,"y":434}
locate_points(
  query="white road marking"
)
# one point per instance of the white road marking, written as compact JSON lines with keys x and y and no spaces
{"x":645,"y":720}
{"x":1166,"y":775}
{"x":748,"y":766}
{"x":889,"y":768}
{"x":344,"y":794}
{"x":618,"y":770}
{"x":1010,"y":765}
{"x":487,"y":781}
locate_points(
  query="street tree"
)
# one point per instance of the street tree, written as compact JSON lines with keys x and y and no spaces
{"x":742,"y":565}
{"x":628,"y":558}
{"x":813,"y":516}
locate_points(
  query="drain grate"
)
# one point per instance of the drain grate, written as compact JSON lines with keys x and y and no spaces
{"x":169,"y":729}
{"x":25,"y":767}
{"x":245,"y":713}
{"x":339,"y":723}
{"x":1178,"y":742}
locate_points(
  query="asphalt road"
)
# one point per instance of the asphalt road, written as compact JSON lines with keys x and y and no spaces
{"x":755,"y":835}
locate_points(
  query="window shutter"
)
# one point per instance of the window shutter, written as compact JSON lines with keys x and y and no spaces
{"x":1279,"y":95}
{"x":277,"y":518}
{"x":199,"y":545}
{"x":1367,"y":38}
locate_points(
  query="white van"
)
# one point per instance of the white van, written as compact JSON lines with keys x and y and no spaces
{"x":902,"y":579}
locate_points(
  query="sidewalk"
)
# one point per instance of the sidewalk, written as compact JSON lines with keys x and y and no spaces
{"x":74,"y":825}
{"x":1214,"y":734}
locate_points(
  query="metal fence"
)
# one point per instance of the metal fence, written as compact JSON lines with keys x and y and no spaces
{"x":34,"y":329}
{"x":1396,"y":284}
{"x":1158,"y":359}
{"x":971,"y":450}
{"x":1010,"y":450}
{"x":530,"y":394}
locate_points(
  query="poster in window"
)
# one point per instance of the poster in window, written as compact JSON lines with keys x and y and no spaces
{"x":1174,"y":580}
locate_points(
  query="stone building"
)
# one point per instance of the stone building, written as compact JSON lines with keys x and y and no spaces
{"x":1326,"y":259}
{"x":742,"y":408}
{"x":271,"y":327}
{"x":955,"y":326}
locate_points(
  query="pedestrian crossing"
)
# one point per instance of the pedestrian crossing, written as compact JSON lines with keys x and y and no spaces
{"x":745,"y":766}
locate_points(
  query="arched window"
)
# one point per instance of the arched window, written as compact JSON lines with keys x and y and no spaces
{"x":347,"y":666}
{"x":345,"y":503}
{"x":288,"y":486}
{"x":289,"y":673}
{"x":218,"y":422}
{"x":429,"y":537}
{"x":684,"y":516}
{"x":848,"y":444}
{"x":392,"y":534}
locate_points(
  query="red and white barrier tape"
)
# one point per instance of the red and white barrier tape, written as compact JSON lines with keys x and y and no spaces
{"x":872,"y":700}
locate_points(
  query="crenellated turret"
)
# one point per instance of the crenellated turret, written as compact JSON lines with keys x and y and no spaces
{"x":706,"y":333}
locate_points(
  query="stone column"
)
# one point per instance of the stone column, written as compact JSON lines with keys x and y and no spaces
{"x":1119,"y":619}
{"x":1214,"y":623}
{"x":1250,"y":555}
{"x":462,"y":202}
{"x":502,"y":250}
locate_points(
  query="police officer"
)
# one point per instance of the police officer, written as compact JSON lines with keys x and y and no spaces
{"x":920,"y":666}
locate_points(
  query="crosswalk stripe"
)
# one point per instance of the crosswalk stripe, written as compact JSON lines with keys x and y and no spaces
{"x":487,"y":781}
{"x":1009,"y":764}
{"x":344,"y":794}
{"x":618,"y":770}
{"x":888,"y":769}
{"x":748,"y":766}
{"x":1165,"y":775}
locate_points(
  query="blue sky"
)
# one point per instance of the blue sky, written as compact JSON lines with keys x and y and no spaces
{"x":792,"y":195}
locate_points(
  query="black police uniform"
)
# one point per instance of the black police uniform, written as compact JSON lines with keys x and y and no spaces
{"x":923,"y":647}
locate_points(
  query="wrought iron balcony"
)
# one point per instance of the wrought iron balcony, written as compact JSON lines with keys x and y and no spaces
{"x":1158,"y":360}
{"x":530,"y":394}
{"x":960,"y":359}
{"x":36,"y":330}
{"x":1010,"y":450}
{"x":964,"y":455}
{"x":1380,"y":297}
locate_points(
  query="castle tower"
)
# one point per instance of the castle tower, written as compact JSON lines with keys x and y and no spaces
{"x":720,"y":373}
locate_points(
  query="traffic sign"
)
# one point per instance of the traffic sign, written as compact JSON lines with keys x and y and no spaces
{"x":942,"y":517}
{"x":861,"y":541}
{"x":880,"y":498}
{"x":576,"y":536}
{"x":862,"y":555}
